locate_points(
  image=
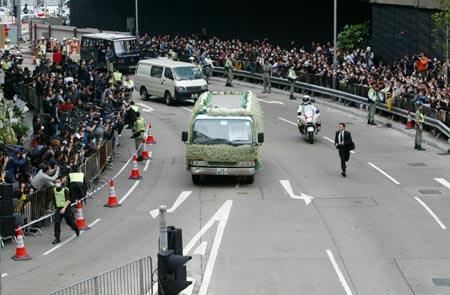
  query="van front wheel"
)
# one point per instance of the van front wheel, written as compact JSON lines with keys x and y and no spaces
{"x":196,"y":179}
{"x":168,"y":98}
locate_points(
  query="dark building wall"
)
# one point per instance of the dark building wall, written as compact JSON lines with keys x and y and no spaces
{"x":401,"y":30}
{"x":281,"y":22}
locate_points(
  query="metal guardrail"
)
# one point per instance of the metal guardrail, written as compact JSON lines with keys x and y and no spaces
{"x":439,"y":127}
{"x":134,"y":278}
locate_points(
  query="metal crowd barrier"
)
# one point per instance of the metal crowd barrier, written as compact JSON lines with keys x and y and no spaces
{"x":439,"y":127}
{"x":134,"y":278}
{"x":41,"y":201}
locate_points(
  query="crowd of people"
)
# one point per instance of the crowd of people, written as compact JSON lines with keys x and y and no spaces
{"x":79,"y":108}
{"x":418,"y":79}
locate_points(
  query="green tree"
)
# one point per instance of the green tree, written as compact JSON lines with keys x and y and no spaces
{"x":442,"y":24}
{"x":354,"y":36}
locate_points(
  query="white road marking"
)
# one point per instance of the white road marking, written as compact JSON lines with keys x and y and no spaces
{"x":71,"y":238}
{"x":4,"y":275}
{"x":385,"y":174}
{"x":443,"y":182}
{"x":431,"y":213}
{"x":181,"y":198}
{"x":147,"y":111}
{"x":123,"y":167}
{"x":186,"y":109}
{"x":190,"y":288}
{"x":146,"y":165}
{"x":147,"y":108}
{"x":288,"y":188}
{"x":271,"y":101}
{"x":201,"y":249}
{"x":341,"y":277}
{"x":287,"y":121}
{"x":129,"y":192}
{"x":332,"y":141}
{"x":221,"y":217}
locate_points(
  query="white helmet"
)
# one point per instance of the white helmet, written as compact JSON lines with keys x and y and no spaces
{"x":306,"y":99}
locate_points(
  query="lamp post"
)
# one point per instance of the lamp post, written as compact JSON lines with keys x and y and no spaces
{"x":334,"y":43}
{"x":136,"y":5}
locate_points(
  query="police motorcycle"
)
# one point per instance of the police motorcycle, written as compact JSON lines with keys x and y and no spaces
{"x":308,"y":119}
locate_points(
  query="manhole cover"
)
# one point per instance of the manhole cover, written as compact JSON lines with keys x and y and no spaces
{"x":429,"y":192}
{"x":417,"y":164}
{"x":441,"y":282}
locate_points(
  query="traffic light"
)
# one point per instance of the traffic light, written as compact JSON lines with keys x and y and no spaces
{"x":171,"y":265}
{"x":15,"y":10}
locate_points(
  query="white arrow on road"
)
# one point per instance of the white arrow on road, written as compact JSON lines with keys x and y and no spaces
{"x":271,"y":101}
{"x":146,"y":108}
{"x":288,"y":188}
{"x":443,"y":182}
{"x":201,"y":249}
{"x":181,"y":198}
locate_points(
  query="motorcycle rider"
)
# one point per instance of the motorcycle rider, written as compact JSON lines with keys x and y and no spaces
{"x":306,"y":103}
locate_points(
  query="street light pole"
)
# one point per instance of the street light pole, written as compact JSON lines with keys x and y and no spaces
{"x":334,"y":43}
{"x":163,"y":244}
{"x":19,"y":21}
{"x":136,"y":4}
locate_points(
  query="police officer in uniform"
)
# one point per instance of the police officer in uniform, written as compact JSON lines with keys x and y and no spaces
{"x":267,"y":75}
{"x":77,"y":186}
{"x":208,"y":68}
{"x":420,"y":119}
{"x":63,"y":210}
{"x":229,"y":71}
{"x":292,"y":76}
{"x":372,"y":103}
{"x":138,"y":134}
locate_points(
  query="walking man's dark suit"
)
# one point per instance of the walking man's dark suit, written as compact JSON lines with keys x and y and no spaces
{"x":344,"y":143}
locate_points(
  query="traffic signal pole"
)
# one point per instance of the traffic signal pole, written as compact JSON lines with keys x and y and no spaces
{"x":18,"y":4}
{"x":162,"y":229}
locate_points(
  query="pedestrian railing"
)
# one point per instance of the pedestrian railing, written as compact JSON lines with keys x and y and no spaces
{"x":437,"y":125}
{"x":134,"y":278}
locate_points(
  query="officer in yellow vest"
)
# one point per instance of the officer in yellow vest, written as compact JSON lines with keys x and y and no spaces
{"x":117,"y":77}
{"x":77,"y":186}
{"x":229,"y":71}
{"x":62,"y":210}
{"x":138,"y":134}
{"x":420,"y":119}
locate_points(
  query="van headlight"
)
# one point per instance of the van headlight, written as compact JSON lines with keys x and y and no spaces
{"x":198,"y":163}
{"x":205,"y":87}
{"x":246,"y":163}
{"x":180,"y":88}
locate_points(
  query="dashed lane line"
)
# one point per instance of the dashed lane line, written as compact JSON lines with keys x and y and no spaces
{"x":146,"y":165}
{"x":70,"y":239}
{"x":287,"y":121}
{"x":4,"y":275}
{"x":130,"y":191}
{"x":339,"y":273}
{"x":443,"y":181}
{"x":431,"y":213}
{"x":385,"y":174}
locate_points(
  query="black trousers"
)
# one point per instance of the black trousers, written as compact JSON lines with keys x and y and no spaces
{"x":68,"y":216}
{"x":344,"y":155}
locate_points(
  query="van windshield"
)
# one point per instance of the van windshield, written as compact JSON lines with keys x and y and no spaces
{"x":187,"y":73}
{"x":125,"y":46}
{"x":222,"y":131}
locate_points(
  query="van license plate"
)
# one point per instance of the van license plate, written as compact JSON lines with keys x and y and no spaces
{"x":194,"y":96}
{"x":222,"y":171}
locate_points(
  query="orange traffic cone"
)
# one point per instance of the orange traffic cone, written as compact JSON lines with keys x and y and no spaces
{"x":81,"y":222}
{"x":150,"y":139}
{"x":409,"y":122}
{"x":135,"y":173}
{"x":21,"y":251}
{"x":146,"y":154}
{"x":112,"y":199}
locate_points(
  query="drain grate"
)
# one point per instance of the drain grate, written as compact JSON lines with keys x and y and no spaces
{"x":417,"y":164}
{"x":441,"y":282}
{"x":430,"y":192}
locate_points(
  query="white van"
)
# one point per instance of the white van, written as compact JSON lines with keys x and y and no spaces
{"x":172,"y":80}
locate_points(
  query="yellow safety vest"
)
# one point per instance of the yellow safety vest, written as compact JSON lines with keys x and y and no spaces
{"x":117,"y":76}
{"x":60,"y":197}
{"x":76,"y":177}
{"x":135,"y":108}
{"x":140,"y":124}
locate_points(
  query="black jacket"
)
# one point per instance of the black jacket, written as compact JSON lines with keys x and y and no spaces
{"x":348,"y":142}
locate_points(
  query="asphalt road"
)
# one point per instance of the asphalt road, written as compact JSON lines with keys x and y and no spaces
{"x":382,"y":230}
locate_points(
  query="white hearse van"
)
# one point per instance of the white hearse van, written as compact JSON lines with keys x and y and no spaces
{"x":171,"y":80}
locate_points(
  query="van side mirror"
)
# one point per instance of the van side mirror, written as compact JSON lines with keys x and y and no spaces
{"x":260,"y":137}
{"x":184,"y":136}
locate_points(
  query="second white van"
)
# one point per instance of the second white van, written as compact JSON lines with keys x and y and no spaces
{"x":171,"y":80}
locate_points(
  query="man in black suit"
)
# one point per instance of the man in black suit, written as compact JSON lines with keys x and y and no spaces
{"x":344,"y":143}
